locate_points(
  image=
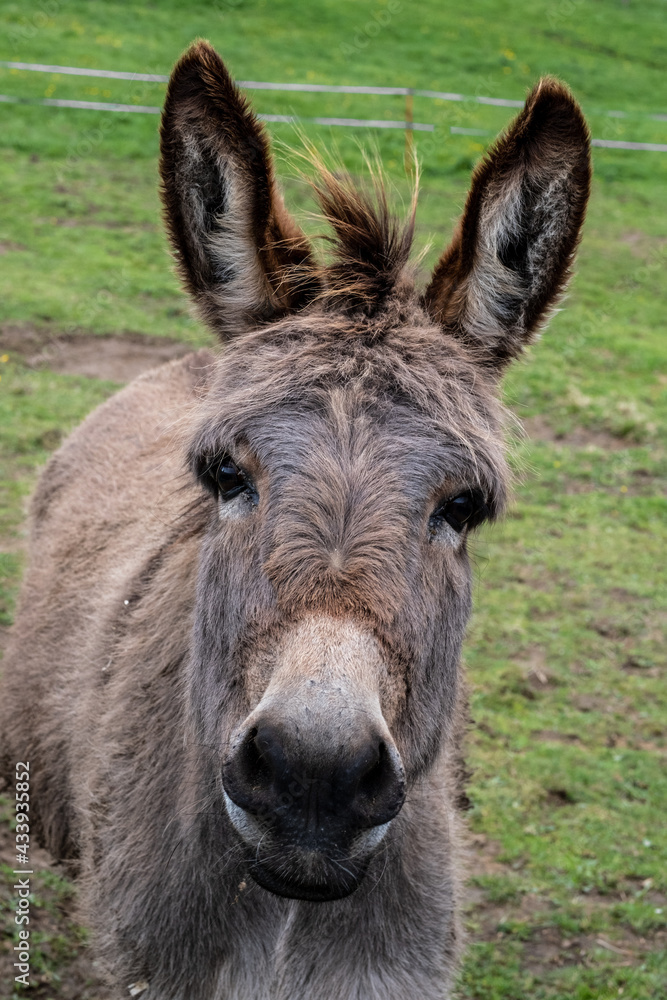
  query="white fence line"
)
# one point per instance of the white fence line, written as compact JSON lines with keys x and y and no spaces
{"x":311,"y":88}
{"x":653,"y":147}
{"x":306,"y":88}
{"x":107,"y":74}
{"x":58,"y":102}
{"x":650,"y":147}
{"x":53,"y":102}
{"x":351,"y":122}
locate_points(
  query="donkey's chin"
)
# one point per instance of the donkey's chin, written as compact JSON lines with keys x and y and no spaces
{"x":308,"y":875}
{"x":300,"y":869}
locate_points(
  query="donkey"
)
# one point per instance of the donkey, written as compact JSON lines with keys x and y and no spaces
{"x":235,"y":665}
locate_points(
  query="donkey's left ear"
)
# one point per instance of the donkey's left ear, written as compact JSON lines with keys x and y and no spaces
{"x":239,"y":253}
{"x":513,"y":249}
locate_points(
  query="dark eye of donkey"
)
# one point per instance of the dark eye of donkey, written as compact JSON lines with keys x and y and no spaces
{"x":466,"y":510}
{"x":229,"y":479}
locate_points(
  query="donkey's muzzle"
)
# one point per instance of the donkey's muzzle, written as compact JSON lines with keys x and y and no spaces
{"x":317,"y":801}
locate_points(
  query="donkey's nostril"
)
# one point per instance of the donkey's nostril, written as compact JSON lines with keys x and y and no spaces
{"x":255,"y":760}
{"x":375,"y":774}
{"x":381,"y":789}
{"x":259,"y":760}
{"x":303,"y":783}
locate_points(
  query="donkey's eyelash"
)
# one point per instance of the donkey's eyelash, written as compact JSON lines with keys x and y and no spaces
{"x":221,"y":474}
{"x":462,"y":511}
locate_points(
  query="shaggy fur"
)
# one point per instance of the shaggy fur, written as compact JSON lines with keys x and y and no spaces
{"x":157,"y":621}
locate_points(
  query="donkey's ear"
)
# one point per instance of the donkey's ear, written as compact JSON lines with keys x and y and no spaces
{"x":512,"y":252}
{"x":238,"y":251}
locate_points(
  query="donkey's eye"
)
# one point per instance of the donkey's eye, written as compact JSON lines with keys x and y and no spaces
{"x":229,"y":479}
{"x":466,"y":510}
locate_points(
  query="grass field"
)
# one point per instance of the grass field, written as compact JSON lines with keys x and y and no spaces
{"x":566,"y":652}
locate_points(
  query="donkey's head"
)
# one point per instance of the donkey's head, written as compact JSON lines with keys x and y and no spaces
{"x":349,"y":442}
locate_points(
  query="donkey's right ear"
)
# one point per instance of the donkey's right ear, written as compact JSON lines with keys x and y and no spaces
{"x":238,"y":252}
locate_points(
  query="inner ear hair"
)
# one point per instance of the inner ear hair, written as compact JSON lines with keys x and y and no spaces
{"x":511,"y":255}
{"x":238,"y":251}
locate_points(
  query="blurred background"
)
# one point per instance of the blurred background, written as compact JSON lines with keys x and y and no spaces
{"x":566,"y":652}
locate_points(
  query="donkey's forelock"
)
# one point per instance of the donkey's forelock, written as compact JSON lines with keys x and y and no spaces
{"x":370,"y":248}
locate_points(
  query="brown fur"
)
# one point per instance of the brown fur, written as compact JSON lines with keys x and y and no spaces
{"x":157,"y":624}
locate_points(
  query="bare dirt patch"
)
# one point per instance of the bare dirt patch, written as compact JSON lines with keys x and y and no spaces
{"x":546,"y":947}
{"x":640,"y":243}
{"x":554,"y":736}
{"x":539,"y":429}
{"x":529,"y":918}
{"x":4,"y":638}
{"x":588,"y":703}
{"x":559,"y":797}
{"x":534,"y":577}
{"x":114,"y":359}
{"x":8,"y":246}
{"x":484,"y":853}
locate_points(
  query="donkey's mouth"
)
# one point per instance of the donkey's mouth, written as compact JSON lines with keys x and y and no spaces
{"x":314,"y":877}
{"x":288,"y":860}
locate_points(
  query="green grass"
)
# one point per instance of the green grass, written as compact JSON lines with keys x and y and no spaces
{"x":566,"y":648}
